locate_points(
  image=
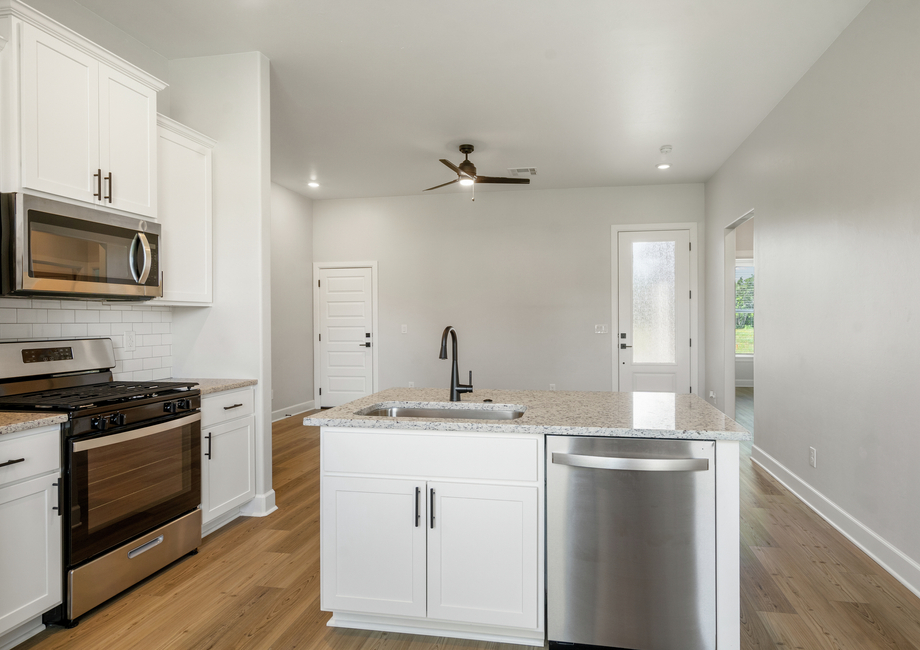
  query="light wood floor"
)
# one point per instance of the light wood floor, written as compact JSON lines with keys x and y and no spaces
{"x":744,"y":407}
{"x":255,"y":583}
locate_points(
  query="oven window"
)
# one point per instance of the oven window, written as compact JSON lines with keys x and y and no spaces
{"x":127,"y":483}
{"x":135,"y":476}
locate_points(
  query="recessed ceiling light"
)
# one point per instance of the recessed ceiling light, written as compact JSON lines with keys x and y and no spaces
{"x":664,"y":166}
{"x":313,"y":184}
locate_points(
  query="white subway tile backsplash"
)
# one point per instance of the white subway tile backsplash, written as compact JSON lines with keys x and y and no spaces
{"x":98,"y":329}
{"x":32,"y":315}
{"x":73,"y":329}
{"x":61,"y":316}
{"x":46,"y":319}
{"x":42,"y":330}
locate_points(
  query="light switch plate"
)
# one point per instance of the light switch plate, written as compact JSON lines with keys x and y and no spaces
{"x":405,"y":329}
{"x":600,"y":329}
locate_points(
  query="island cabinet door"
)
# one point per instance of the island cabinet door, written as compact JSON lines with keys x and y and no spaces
{"x":373,"y":553}
{"x":483,"y":554}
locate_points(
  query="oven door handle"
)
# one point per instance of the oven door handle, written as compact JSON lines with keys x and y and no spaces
{"x":105,"y":441}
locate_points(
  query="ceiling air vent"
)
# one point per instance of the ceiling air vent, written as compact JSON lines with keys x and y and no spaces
{"x":522,"y":172}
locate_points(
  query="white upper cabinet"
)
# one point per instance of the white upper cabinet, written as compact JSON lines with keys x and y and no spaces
{"x":184,"y":212}
{"x":80,"y":121}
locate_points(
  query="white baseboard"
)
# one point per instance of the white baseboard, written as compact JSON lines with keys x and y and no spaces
{"x":288,"y":411}
{"x":20,"y":633}
{"x":437,"y":628}
{"x":261,"y":505}
{"x":219,"y":522}
{"x":744,"y":382}
{"x":892,"y":559}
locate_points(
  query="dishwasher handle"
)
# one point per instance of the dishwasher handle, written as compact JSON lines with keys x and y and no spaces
{"x":633,"y":464}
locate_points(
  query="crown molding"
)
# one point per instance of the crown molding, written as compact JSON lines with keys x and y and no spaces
{"x":180,"y":129}
{"x":25,"y":13}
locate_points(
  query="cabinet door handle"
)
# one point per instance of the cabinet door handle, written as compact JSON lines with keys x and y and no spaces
{"x":432,"y":507}
{"x":418,"y":514}
{"x":60,"y":490}
{"x":98,"y":177}
{"x":234,"y":406}
{"x":208,"y":452}
{"x":13,"y":462}
{"x":109,"y":179}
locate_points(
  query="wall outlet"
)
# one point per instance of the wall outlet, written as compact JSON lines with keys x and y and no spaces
{"x":812,"y":457}
{"x":600,"y":329}
{"x":712,"y":395}
{"x":405,"y":329}
{"x":130,"y":341}
{"x":552,"y":386}
{"x":411,"y":383}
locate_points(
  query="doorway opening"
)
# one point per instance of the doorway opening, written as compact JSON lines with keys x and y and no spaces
{"x":740,"y":274}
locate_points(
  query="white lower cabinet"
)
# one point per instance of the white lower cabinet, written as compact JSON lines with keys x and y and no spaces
{"x":228,"y":467}
{"x":30,"y":530}
{"x":458,"y":552}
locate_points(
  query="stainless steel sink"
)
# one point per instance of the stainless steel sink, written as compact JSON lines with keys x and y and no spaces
{"x":452,"y":413}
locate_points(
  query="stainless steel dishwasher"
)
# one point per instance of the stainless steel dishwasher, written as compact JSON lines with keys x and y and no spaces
{"x":631,"y":542}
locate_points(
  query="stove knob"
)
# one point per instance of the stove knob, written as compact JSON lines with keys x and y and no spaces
{"x":185,"y":404}
{"x":169,"y":407}
{"x":117,"y":419}
{"x":98,"y":424}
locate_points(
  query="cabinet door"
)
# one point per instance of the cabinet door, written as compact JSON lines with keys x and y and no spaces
{"x":60,"y":117}
{"x":227,"y":467}
{"x":483,"y":555}
{"x":127,"y":143}
{"x":184,"y":213}
{"x":30,"y":550}
{"x":373,"y":545}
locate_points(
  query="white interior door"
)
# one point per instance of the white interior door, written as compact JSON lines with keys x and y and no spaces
{"x":345,"y":335}
{"x":653,"y":338}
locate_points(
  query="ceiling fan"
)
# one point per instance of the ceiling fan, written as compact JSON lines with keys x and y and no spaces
{"x":466,"y":172}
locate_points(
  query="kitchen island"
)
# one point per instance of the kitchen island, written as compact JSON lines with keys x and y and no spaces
{"x":437,"y":525}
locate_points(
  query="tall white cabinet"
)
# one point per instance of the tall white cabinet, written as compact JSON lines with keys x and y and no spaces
{"x":184,"y":212}
{"x":433,"y":533}
{"x":79,"y":122}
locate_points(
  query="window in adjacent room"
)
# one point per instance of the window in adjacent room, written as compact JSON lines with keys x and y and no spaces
{"x":744,"y":307}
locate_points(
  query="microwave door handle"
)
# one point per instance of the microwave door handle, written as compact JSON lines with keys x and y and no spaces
{"x":140,"y":241}
{"x":148,"y":258}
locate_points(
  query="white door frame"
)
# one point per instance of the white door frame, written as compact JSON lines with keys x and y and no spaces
{"x":375,"y":340}
{"x":728,"y":322}
{"x":615,"y":231}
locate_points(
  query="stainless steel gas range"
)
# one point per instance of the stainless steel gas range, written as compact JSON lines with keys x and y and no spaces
{"x":131,"y":486}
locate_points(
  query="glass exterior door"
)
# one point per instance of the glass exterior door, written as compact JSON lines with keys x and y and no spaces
{"x":124,"y":484}
{"x":653,"y":338}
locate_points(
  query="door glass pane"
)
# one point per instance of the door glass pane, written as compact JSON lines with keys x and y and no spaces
{"x":654,"y":302}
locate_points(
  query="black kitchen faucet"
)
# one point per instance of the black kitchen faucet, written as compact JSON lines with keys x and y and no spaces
{"x":456,"y":388}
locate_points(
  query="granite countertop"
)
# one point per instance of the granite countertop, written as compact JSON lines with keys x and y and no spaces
{"x":571,"y":413}
{"x":11,"y":422}
{"x":208,"y":386}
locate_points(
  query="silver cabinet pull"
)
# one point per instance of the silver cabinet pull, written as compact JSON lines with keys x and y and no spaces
{"x":143,"y":548}
{"x":234,"y":406}
{"x":13,"y":462}
{"x":633,"y":464}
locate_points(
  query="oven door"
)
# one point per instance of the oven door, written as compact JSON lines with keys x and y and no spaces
{"x":57,"y":248}
{"x":125,"y":483}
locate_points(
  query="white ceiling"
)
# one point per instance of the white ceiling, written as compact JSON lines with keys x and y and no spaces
{"x":367,"y":95}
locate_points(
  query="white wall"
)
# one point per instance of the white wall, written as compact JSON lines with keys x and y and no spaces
{"x":524,"y":276}
{"x":227,"y":98}
{"x":292,"y":302}
{"x":834,"y":186}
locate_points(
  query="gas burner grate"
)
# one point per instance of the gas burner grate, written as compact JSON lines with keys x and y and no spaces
{"x":78,"y":397}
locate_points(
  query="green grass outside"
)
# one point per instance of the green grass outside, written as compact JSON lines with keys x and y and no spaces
{"x":744,"y":341}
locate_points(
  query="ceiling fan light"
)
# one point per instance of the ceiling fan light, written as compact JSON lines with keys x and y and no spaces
{"x":313,"y":184}
{"x":664,"y":166}
{"x":466,"y":181}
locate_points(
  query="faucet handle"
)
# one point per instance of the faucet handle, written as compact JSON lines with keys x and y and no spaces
{"x":471,"y":381}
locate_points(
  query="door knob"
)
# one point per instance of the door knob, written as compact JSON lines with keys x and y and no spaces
{"x":364,"y":345}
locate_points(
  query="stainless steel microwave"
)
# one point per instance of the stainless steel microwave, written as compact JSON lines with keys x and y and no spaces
{"x":51,"y":248}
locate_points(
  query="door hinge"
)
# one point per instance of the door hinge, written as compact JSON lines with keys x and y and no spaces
{"x":320,"y":391}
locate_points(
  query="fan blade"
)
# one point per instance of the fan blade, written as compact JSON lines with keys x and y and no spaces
{"x":441,"y":185}
{"x":452,"y":166}
{"x":498,"y":179}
